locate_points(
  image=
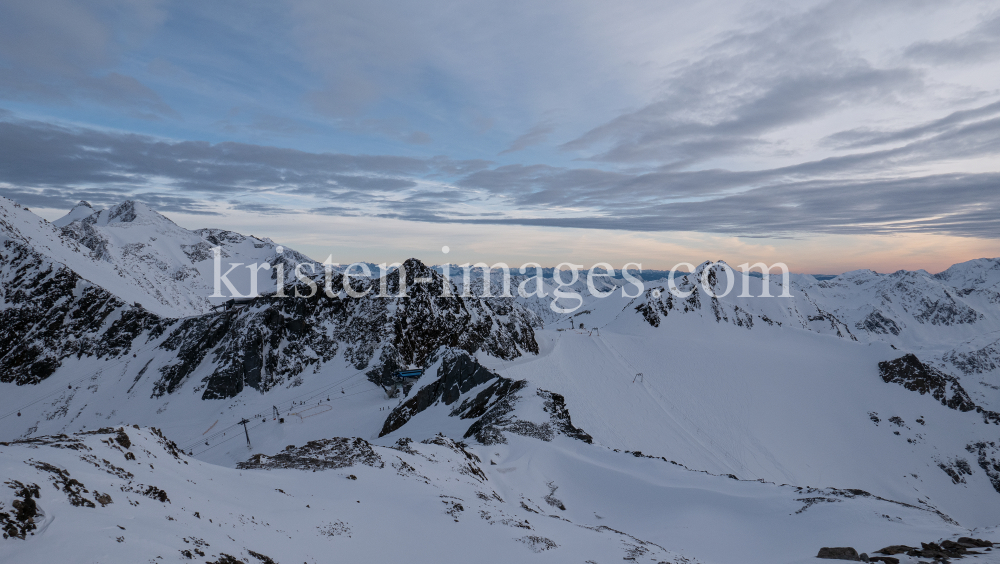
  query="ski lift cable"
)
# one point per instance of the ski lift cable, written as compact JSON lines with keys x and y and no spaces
{"x":190,"y":446}
{"x":314,"y":393}
{"x":698,"y":429}
{"x":202,"y":451}
{"x":323,"y":389}
{"x":229,"y":439}
{"x":77,"y":380}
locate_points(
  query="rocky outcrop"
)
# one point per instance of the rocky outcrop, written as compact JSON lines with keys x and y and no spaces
{"x":269,"y":341}
{"x":914,"y":375}
{"x":273,"y":340}
{"x":658,"y":303}
{"x":84,"y":233}
{"x":946,"y":311}
{"x":22,"y":522}
{"x":491,"y":409}
{"x":838,"y":553}
{"x":52,"y":314}
{"x":325,"y":454}
{"x":979,"y":361}
{"x":457,"y":374}
{"x":939,"y":552}
{"x":878,"y":324}
{"x":555,"y":406}
{"x":988,"y":457}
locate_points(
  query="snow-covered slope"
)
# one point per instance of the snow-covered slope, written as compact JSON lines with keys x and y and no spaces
{"x":174,"y":266}
{"x":81,"y":210}
{"x":45,"y":248}
{"x":266,"y":343}
{"x":126,"y":495}
{"x":142,"y":257}
{"x":686,"y":411}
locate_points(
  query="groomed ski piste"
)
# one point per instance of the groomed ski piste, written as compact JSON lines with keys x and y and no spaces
{"x":640,"y":430}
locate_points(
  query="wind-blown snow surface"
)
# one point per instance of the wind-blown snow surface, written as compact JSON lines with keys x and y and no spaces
{"x":886,"y":383}
{"x":124,"y":496}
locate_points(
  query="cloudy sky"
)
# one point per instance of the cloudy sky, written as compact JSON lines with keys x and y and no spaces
{"x":828,"y":135}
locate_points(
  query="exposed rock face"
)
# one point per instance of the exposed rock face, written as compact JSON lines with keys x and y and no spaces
{"x":914,"y":375}
{"x":499,"y":417}
{"x":555,"y":406}
{"x":947,"y":549}
{"x":496,"y":403}
{"x":275,"y":339}
{"x":457,"y":374}
{"x":658,"y":302}
{"x":325,"y":454}
{"x":84,"y":232}
{"x":878,"y":324}
{"x":979,"y":361}
{"x":52,"y":313}
{"x":270,"y":341}
{"x":838,"y":553}
{"x":956,"y":469}
{"x":22,"y":522}
{"x":492,"y":408}
{"x":898,"y":308}
{"x":946,"y":312}
{"x":988,"y":457}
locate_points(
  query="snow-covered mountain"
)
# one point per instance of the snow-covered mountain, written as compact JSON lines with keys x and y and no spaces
{"x":142,"y":257}
{"x":80,"y":211}
{"x":860,"y":411}
{"x":128,"y":495}
{"x":172,"y":265}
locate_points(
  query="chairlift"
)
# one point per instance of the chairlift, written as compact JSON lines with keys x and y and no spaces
{"x":403,"y":378}
{"x":411,"y":374}
{"x":233,"y":302}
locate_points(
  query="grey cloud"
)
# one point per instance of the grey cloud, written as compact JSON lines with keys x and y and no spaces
{"x":537,"y":134}
{"x":834,"y":195}
{"x":335,"y":210}
{"x":861,"y":138}
{"x":55,"y":166}
{"x":980,"y":43}
{"x":746,"y":85}
{"x":546,"y":185}
{"x":964,"y":205}
{"x":40,"y":154}
{"x":373,"y":183}
{"x":262,"y":209}
{"x":60,"y":51}
{"x":66,"y":198}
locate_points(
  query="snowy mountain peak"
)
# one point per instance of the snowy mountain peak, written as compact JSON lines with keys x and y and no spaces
{"x":129,"y":211}
{"x":141,"y":256}
{"x":81,"y":210}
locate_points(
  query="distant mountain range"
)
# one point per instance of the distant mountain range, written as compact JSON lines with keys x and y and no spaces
{"x":870,"y":402}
